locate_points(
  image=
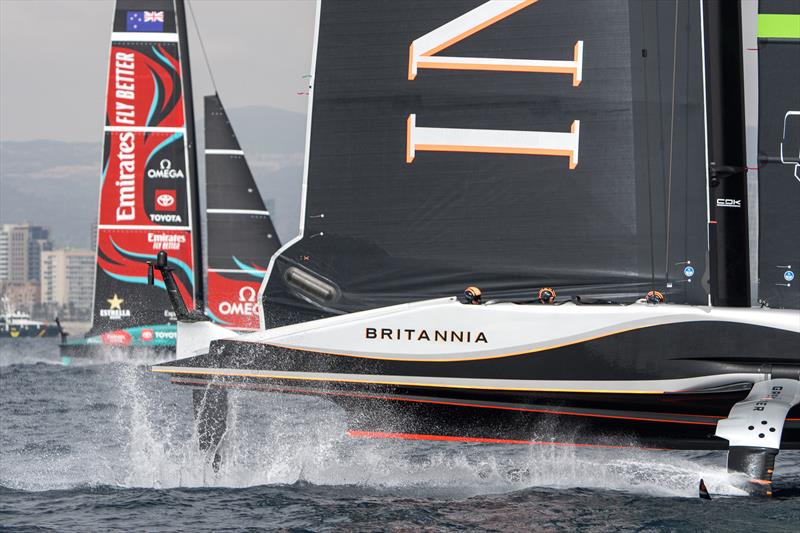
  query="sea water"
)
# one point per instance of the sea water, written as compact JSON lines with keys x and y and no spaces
{"x":103,"y":444}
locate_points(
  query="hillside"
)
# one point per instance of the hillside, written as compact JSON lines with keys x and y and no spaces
{"x":56,"y":183}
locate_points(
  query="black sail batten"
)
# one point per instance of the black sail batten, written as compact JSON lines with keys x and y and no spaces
{"x":401,"y":207}
{"x":241,"y":236}
{"x":779,"y":152}
{"x":148,"y":191}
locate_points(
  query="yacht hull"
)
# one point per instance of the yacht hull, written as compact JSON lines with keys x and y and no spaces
{"x":591,"y":419}
{"x":157,"y":340}
{"x":651,"y":376}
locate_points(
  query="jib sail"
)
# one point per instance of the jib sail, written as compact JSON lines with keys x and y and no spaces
{"x":779,"y":152}
{"x":511,"y":145}
{"x":148,"y":195}
{"x":241,"y":237}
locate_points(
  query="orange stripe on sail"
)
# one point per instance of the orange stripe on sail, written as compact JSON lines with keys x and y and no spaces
{"x":409,"y":157}
{"x":493,"y":150}
{"x":411,"y":75}
{"x":479,"y":27}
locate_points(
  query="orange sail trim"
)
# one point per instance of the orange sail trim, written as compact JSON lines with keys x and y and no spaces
{"x":420,"y":57}
{"x":492,"y":150}
{"x":409,"y":144}
{"x":491,"y":141}
{"x":411,"y":73}
{"x":478,"y":28}
{"x":495,"y":65}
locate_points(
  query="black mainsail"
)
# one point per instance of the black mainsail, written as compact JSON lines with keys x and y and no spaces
{"x":412,"y":193}
{"x":241,"y":236}
{"x":149,"y":192}
{"x":779,"y":152}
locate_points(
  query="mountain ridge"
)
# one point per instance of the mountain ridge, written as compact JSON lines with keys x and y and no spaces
{"x":56,"y":183}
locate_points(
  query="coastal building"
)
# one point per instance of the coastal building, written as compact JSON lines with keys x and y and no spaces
{"x":4,"y":260}
{"x":67,"y":279}
{"x":21,"y":247}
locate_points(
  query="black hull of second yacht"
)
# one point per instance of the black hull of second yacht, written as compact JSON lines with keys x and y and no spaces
{"x":665,"y":386}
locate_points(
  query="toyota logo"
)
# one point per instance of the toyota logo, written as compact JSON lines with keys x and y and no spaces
{"x":165,"y":200}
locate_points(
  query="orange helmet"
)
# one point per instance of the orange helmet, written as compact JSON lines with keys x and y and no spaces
{"x":547,"y":295}
{"x":472,"y":295}
{"x":655,"y":297}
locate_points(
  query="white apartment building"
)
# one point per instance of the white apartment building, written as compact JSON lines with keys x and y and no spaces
{"x":67,"y":277}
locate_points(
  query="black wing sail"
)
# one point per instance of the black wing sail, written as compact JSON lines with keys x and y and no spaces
{"x":511,"y":145}
{"x":241,"y":237}
{"x":779,"y":152}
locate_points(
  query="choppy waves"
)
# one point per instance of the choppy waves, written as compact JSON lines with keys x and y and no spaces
{"x":111,"y":431}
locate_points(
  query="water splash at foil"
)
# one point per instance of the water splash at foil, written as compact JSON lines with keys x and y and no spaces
{"x":119,"y":425}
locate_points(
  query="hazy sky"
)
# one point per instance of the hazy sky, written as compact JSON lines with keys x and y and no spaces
{"x":54,"y":58}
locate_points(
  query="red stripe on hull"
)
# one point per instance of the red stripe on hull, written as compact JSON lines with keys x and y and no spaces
{"x":450,"y":438}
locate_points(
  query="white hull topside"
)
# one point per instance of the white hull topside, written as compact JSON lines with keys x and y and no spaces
{"x":446,"y":330}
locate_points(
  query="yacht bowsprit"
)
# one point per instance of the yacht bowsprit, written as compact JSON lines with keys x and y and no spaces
{"x":580,"y":168}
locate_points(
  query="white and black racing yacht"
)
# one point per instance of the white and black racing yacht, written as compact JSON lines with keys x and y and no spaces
{"x":579,"y":167}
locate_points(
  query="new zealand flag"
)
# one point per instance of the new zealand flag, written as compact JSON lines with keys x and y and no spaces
{"x":145,"y":21}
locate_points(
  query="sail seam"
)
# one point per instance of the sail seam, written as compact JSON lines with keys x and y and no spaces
{"x":144,"y":227}
{"x":647,"y":105}
{"x":238,"y":211}
{"x":218,"y":151}
{"x":671,"y":145}
{"x":144,"y":37}
{"x":146,"y":129}
{"x":705,"y":136}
